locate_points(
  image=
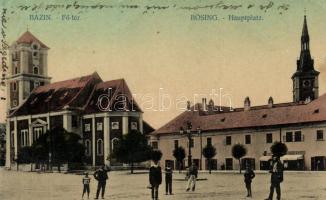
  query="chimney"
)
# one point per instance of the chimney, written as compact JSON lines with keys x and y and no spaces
{"x":211,"y":105}
{"x":188,"y":106}
{"x":270,"y":102}
{"x":247,"y":103}
{"x":204,"y":104}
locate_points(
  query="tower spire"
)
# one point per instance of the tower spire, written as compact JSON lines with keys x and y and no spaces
{"x":305,"y":35}
{"x":305,"y":79}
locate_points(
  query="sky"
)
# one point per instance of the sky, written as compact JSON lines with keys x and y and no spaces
{"x":163,"y":52}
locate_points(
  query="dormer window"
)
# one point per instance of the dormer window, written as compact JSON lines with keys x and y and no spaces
{"x":35,"y":46}
{"x":49,"y":98}
{"x":34,"y":101}
{"x":64,"y":95}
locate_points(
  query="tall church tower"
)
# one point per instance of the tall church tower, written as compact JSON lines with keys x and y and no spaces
{"x":28,"y":68}
{"x":305,"y":79}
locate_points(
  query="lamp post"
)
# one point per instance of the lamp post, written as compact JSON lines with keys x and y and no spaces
{"x":188,"y":132}
{"x":201,"y":146}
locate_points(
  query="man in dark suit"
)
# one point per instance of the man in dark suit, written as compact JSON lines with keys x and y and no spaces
{"x":276,"y":178}
{"x":101,"y":176}
{"x":155,"y":179}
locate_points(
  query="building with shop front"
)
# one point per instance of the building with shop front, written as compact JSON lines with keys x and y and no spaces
{"x":300,"y":124}
{"x":101,"y":112}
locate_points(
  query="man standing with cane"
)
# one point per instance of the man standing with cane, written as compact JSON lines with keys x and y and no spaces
{"x":276,"y":178}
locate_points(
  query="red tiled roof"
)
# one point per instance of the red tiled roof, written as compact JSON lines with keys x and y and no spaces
{"x":54,"y":97}
{"x":29,"y":38}
{"x":113,"y":89}
{"x":259,"y":116}
{"x":79,"y":93}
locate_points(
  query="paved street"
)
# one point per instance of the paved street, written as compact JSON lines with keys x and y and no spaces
{"x":121,"y":185}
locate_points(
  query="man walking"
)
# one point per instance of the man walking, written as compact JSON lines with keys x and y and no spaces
{"x":101,"y":176}
{"x":192,"y":176}
{"x":155,"y":179}
{"x":276,"y":178}
{"x":168,"y":179}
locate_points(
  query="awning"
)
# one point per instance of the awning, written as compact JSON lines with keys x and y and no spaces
{"x":292,"y":157}
{"x":265,"y":158}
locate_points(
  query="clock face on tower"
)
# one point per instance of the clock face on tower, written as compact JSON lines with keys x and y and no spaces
{"x":306,"y":83}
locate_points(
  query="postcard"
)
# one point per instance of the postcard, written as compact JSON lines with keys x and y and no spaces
{"x":152,"y":99}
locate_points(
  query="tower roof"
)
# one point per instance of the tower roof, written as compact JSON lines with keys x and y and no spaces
{"x":29,"y":38}
{"x":305,"y":63}
{"x":305,"y":34}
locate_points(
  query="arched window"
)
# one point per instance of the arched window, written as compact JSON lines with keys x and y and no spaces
{"x":35,"y":70}
{"x":88,"y":147}
{"x":100,"y":147}
{"x":114,"y":143}
{"x":14,"y":86}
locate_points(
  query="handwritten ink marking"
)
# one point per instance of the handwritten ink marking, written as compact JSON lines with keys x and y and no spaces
{"x":40,"y":17}
{"x":4,"y":47}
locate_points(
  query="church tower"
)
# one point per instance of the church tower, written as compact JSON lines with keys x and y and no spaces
{"x":28,"y":68}
{"x":305,"y":79}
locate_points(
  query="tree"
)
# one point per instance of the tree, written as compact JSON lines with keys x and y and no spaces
{"x":180,"y":154}
{"x":279,"y":149}
{"x":58,"y":146}
{"x":132,"y":148}
{"x":209,"y":152}
{"x":156,"y":155}
{"x":238,"y":151}
{"x":25,"y":156}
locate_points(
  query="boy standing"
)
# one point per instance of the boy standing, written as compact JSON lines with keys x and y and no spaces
{"x":248,"y":176}
{"x":168,"y":179}
{"x":86,"y":182}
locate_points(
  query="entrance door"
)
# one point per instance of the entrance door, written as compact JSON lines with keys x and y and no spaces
{"x":213,"y":164}
{"x":318,"y":163}
{"x":229,"y":163}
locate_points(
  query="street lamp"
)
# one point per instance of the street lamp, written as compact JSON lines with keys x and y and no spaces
{"x":201,"y":146}
{"x":188,"y":132}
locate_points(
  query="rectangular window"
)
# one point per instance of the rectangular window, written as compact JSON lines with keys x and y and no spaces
{"x":297,"y":136}
{"x":133,"y":126}
{"x":155,"y":145}
{"x":12,"y":139}
{"x":209,"y":141}
{"x":115,"y":125}
{"x":38,"y":131}
{"x":24,"y":137}
{"x":87,"y":128}
{"x":269,"y":138}
{"x":99,"y":126}
{"x":228,"y":140}
{"x":176,"y":144}
{"x":289,"y":137}
{"x":320,"y":135}
{"x":248,"y":139}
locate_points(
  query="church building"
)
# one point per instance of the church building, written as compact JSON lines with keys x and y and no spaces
{"x":101,"y":112}
{"x":299,"y":124}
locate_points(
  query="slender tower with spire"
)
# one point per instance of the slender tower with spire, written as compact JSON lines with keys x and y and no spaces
{"x":305,"y":79}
